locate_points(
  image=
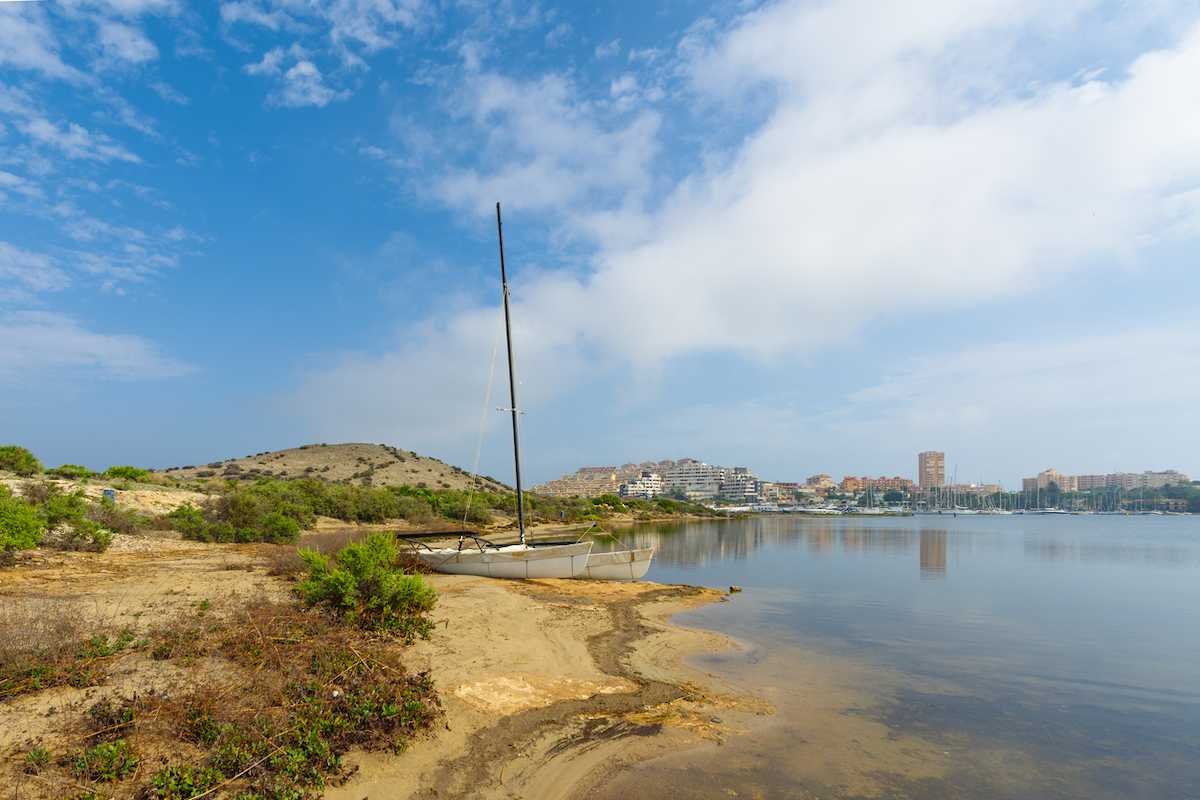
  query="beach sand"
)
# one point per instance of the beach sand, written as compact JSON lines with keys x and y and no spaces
{"x":548,"y":687}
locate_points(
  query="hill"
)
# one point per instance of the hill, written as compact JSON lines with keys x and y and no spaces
{"x":356,"y":463}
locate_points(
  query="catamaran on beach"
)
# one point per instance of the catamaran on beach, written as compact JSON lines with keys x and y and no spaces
{"x":475,"y":555}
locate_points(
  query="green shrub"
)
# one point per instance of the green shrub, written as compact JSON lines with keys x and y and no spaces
{"x":183,"y":782}
{"x":19,"y":460}
{"x":21,"y":528}
{"x":108,"y":515}
{"x":107,"y":761}
{"x":127,"y":472}
{"x":363,"y":584}
{"x":187,"y":519}
{"x":414,"y":509}
{"x":278,"y":528}
{"x":63,"y":508}
{"x":70,"y":472}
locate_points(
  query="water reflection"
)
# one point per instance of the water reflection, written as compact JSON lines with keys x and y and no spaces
{"x":1053,"y":657}
{"x":1080,"y":539}
{"x":933,"y":554}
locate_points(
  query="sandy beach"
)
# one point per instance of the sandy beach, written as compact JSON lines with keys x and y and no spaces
{"x":548,"y":687}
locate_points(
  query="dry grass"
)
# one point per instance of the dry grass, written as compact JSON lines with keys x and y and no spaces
{"x":44,"y":644}
{"x":269,"y":698}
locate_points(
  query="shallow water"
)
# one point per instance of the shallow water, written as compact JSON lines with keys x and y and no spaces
{"x":971,"y":657}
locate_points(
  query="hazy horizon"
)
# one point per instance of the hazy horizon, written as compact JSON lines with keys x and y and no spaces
{"x":797,"y":236}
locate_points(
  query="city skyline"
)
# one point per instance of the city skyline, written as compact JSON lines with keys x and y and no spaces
{"x":664,"y":473}
{"x":776,"y":233}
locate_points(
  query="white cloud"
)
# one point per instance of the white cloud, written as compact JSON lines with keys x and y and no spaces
{"x":34,"y":343}
{"x":121,"y":42}
{"x":608,"y":49}
{"x":892,"y":173}
{"x":76,"y":141}
{"x":254,"y":14}
{"x":301,"y":84}
{"x":371,"y":25}
{"x":27,"y":42}
{"x":169,"y":93}
{"x":15,"y":184}
{"x":553,"y":153}
{"x":625,"y":84}
{"x":558,"y":35}
{"x":269,"y":64}
{"x":304,"y":86}
{"x":29,"y":271}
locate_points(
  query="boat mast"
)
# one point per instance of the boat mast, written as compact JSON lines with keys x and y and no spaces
{"x":512,"y":382}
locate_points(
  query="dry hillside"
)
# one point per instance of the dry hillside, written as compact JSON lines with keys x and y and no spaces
{"x":373,"y":464}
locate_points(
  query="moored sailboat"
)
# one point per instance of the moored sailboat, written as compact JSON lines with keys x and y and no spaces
{"x":519,"y":560}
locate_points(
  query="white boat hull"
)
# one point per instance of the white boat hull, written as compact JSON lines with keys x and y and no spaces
{"x":513,"y":561}
{"x":619,"y":565}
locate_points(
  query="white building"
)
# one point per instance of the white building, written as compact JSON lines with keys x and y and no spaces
{"x":699,"y":481}
{"x":647,"y":486}
{"x":740,"y":486}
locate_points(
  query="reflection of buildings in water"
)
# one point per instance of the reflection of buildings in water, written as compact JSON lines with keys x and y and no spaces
{"x":699,"y":543}
{"x":933,"y":554}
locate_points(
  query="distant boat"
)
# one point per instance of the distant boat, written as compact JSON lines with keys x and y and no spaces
{"x":520,"y":560}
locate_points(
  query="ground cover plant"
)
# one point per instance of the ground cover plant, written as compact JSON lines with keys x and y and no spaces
{"x":276,"y":694}
{"x":42,"y":647}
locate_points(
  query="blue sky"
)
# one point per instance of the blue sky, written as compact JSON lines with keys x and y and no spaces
{"x":802,"y":236}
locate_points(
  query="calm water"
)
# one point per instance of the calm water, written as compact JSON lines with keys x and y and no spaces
{"x":988,"y":657}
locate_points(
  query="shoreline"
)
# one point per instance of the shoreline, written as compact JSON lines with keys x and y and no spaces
{"x":567,"y":727}
{"x":546,"y":686}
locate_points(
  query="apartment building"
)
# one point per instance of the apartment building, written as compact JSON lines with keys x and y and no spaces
{"x":931,"y":469}
{"x":647,"y":486}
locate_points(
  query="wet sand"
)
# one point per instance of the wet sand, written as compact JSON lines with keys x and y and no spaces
{"x":550,"y":686}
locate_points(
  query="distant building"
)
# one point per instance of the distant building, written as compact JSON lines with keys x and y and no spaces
{"x":852,"y":484}
{"x":822,"y":482}
{"x":931,"y":469}
{"x":894,"y":483}
{"x":647,"y":486}
{"x":1157,"y":480}
{"x":584,"y":482}
{"x":697,"y":480}
{"x":779,"y":493}
{"x":1112,"y":480}
{"x":739,"y":486}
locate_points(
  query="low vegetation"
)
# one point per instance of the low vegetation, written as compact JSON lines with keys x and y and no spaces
{"x":48,"y":516}
{"x":363,"y":585}
{"x":19,"y":460}
{"x":295,"y":686}
{"x":41,"y":647}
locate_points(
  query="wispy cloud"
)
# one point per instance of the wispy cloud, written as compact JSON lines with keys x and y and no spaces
{"x":36,"y":343}
{"x":75,"y":141}
{"x":27,"y":42}
{"x":125,"y":43}
{"x":32,"y":272}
